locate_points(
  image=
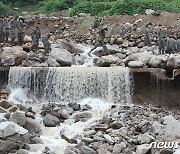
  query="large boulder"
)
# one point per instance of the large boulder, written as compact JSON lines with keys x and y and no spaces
{"x":155,"y":62}
{"x":52,"y":62}
{"x":135,"y":64}
{"x":11,"y":136}
{"x":71,"y":47}
{"x":173,"y":61}
{"x":12,"y":56}
{"x":62,"y":56}
{"x":8,"y":129}
{"x":144,"y":57}
{"x":106,"y":61}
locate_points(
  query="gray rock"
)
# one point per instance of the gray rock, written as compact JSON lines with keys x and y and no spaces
{"x":22,"y":151}
{"x":10,"y":128}
{"x":33,"y":126}
{"x":12,"y":55}
{"x":106,"y":61}
{"x":86,"y":150}
{"x":135,"y":64}
{"x":52,"y":62}
{"x":71,"y":47}
{"x":63,"y":114}
{"x":83,"y":116}
{"x":108,"y":139}
{"x":36,"y":140}
{"x":19,"y":118}
{"x":149,"y":11}
{"x":118,"y":148}
{"x":142,"y":149}
{"x":155,"y":62}
{"x":50,"y":121}
{"x":145,"y":138}
{"x":62,"y":56}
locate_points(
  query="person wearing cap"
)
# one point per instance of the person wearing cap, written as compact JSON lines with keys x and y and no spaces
{"x":178,"y":44}
{"x":46,"y":43}
{"x":147,"y":40}
{"x":100,"y":40}
{"x":21,"y":26}
{"x":2,"y":34}
{"x":171,"y":45}
{"x":36,"y":35}
{"x":6,"y":29}
{"x":13,"y":26}
{"x":162,"y":35}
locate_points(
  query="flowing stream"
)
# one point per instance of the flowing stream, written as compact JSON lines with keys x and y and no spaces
{"x":97,"y":87}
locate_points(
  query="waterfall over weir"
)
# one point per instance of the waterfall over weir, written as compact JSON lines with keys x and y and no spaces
{"x":71,"y":84}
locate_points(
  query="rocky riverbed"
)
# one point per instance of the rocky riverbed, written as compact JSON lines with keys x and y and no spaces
{"x":89,"y":126}
{"x":67,"y":54}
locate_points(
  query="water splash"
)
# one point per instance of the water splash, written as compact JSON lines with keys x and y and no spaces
{"x":111,"y":84}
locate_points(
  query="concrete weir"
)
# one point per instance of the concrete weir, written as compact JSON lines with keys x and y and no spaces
{"x":111,"y":84}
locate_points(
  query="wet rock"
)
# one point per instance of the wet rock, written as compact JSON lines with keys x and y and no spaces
{"x":155,"y":62}
{"x":83,"y":116}
{"x":19,"y":118}
{"x":22,"y":151}
{"x":10,"y":128}
{"x":118,"y":148}
{"x":166,"y":151}
{"x":68,"y":151}
{"x":101,"y":127}
{"x":30,"y":115}
{"x":108,"y":139}
{"x":135,"y":64}
{"x":62,"y":56}
{"x":63,"y":114}
{"x":141,"y":44}
{"x":106,"y":120}
{"x":89,"y":133}
{"x":145,"y":138}
{"x":72,"y":141}
{"x":86,"y":150}
{"x":116,"y":125}
{"x":36,"y":140}
{"x":87,"y":140}
{"x":143,"y":149}
{"x":156,"y":128}
{"x":50,"y":121}
{"x":71,"y":47}
{"x":12,"y":56}
{"x":96,"y":145}
{"x":52,"y":63}
{"x":32,"y":126}
{"x":106,"y":61}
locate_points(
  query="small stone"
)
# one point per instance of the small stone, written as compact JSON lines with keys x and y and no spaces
{"x":108,"y":139}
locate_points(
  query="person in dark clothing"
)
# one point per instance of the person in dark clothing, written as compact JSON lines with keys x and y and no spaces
{"x":36,"y":35}
{"x":147,"y":40}
{"x":100,"y":40}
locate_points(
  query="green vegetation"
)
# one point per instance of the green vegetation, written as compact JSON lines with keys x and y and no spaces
{"x":95,"y":7}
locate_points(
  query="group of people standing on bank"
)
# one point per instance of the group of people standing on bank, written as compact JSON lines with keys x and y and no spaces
{"x":12,"y":28}
{"x":167,"y":44}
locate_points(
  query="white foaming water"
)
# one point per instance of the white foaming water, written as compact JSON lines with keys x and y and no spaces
{"x":112,"y":84}
{"x":68,"y":84}
{"x":51,"y":135}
